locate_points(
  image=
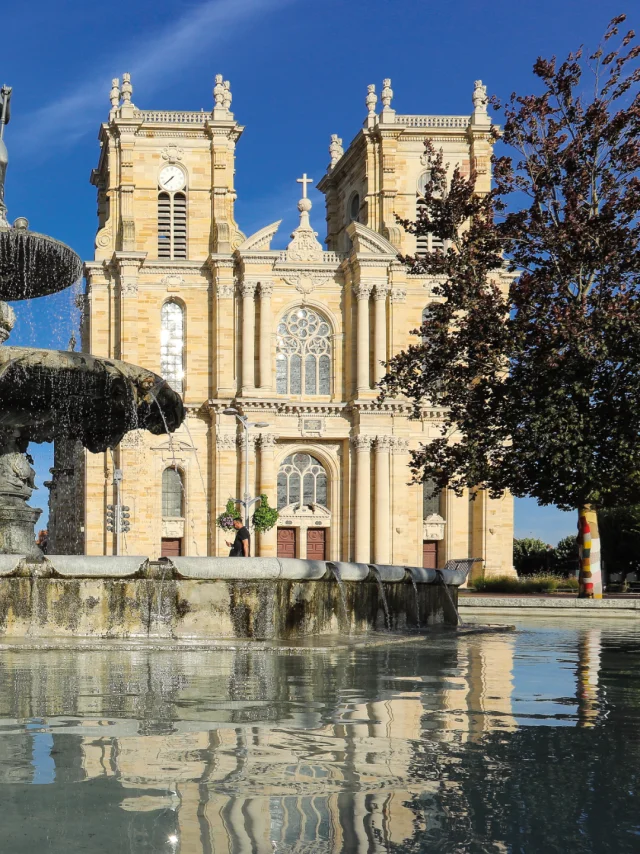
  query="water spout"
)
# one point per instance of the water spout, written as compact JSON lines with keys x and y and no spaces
{"x":383,"y":597}
{"x":415,"y":591}
{"x":343,"y":598}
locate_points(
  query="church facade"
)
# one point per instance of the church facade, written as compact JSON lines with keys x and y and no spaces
{"x":295,"y":340}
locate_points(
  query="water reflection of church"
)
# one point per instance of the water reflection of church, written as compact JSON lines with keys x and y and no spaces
{"x":296,"y":338}
{"x":250,"y":751}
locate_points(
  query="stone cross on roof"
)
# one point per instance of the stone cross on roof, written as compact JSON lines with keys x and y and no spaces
{"x":304,"y":181}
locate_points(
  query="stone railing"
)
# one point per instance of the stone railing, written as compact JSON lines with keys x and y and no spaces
{"x":433,"y":121}
{"x":172,"y":116}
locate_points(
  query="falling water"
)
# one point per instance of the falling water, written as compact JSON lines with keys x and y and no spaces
{"x":387,"y":616}
{"x":415,"y":591}
{"x":453,"y":604}
{"x":343,"y":598}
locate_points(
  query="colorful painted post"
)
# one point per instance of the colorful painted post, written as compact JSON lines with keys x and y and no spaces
{"x":590,"y":581}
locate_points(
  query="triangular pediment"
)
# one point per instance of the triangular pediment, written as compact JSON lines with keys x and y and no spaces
{"x":366,"y":241}
{"x":261,"y":240}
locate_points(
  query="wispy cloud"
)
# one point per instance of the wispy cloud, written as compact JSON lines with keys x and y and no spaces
{"x":150,"y":62}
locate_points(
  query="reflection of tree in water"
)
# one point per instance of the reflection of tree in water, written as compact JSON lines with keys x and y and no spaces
{"x":543,"y":788}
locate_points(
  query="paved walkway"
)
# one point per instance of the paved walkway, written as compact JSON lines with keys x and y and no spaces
{"x":470,"y":603}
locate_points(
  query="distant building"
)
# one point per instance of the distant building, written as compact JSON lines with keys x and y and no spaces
{"x":297,"y":338}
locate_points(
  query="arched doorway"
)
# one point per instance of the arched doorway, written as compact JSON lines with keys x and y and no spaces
{"x":305,"y":520}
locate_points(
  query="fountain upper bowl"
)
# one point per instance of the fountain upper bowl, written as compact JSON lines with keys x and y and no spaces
{"x":49,"y":394}
{"x":35,"y":265}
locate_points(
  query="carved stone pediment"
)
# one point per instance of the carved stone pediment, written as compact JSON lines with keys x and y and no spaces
{"x":366,"y":241}
{"x":309,"y":514}
{"x":261,"y":240}
{"x":433,"y":527}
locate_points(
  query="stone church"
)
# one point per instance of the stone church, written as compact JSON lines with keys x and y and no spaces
{"x":293,"y":339}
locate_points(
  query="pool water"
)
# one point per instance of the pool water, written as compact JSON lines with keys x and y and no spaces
{"x":511,"y":742}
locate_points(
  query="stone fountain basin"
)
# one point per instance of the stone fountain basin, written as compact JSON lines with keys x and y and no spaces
{"x":35,"y":265}
{"x":199,"y":598}
{"x":48,"y":394}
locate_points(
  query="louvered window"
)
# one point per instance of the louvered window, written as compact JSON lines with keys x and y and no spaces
{"x":172,"y":225}
{"x":426,"y":242}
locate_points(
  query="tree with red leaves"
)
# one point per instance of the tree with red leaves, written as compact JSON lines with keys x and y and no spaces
{"x":533,"y":347}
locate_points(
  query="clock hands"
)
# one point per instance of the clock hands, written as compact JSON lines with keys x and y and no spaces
{"x":167,"y":182}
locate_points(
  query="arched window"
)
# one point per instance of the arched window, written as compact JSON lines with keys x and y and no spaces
{"x":303,"y":353}
{"x":425,"y":242}
{"x":172,"y":345}
{"x":172,"y":492}
{"x":430,"y":501}
{"x":301,"y":480}
{"x":354,"y":208}
{"x":172,"y":225}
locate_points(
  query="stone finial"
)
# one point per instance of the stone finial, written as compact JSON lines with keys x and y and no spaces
{"x":371,"y":100}
{"x":127,"y":88}
{"x":480,"y":99}
{"x":387,"y":93}
{"x":226,"y":96}
{"x":304,"y":244}
{"x":335,"y":149}
{"x":114,"y":94}
{"x":218,"y":91}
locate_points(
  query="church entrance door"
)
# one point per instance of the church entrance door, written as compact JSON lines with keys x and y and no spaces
{"x":171,"y":547}
{"x":286,"y":542}
{"x":430,"y":554}
{"x":316,"y":542}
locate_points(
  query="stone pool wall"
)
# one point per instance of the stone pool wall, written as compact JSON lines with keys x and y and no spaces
{"x":215,"y":598}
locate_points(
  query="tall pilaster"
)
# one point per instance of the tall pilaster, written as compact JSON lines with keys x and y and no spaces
{"x":246,"y":463}
{"x":266,"y":367}
{"x":362,"y":446}
{"x":267,"y":481}
{"x":362,"y":293}
{"x":225,"y":373}
{"x":128,"y":266}
{"x":398,"y":511}
{"x":224,"y":486}
{"x":382,"y":523}
{"x":248,"y":336}
{"x":380,"y":332}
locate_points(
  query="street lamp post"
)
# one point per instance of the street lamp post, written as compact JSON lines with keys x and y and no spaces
{"x":247,"y":502}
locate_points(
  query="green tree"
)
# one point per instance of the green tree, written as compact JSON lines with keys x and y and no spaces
{"x":538,"y":371}
{"x":566,"y":555}
{"x":620,"y":533}
{"x":530,"y":555}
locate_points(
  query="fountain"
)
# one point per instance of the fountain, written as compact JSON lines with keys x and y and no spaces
{"x":48,"y":394}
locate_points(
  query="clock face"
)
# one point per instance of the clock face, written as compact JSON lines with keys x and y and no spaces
{"x":172,"y":178}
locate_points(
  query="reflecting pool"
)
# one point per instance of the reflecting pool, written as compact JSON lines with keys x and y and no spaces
{"x":511,"y":742}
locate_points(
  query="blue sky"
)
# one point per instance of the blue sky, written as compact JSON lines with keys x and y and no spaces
{"x":299,"y":71}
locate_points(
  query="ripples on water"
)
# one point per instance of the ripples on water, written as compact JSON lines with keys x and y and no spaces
{"x":525,"y":742}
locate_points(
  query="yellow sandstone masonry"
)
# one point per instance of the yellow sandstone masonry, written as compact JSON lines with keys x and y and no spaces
{"x":297,"y":338}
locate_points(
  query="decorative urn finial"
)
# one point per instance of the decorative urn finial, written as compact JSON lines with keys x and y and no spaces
{"x":218,"y":91}
{"x":480,"y":116}
{"x":387,"y":93}
{"x":226,"y":96}
{"x":371,"y":100}
{"x":127,"y":88}
{"x":335,"y":149}
{"x":114,"y":94}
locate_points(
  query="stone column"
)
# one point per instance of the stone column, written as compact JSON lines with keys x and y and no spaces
{"x":382,"y":520}
{"x":362,"y":446}
{"x":267,"y":480}
{"x":266,"y":368}
{"x":399,"y":553}
{"x":380,"y":332}
{"x":248,"y":336}
{"x":362,"y":293}
{"x":226,"y":474}
{"x":225,"y":369}
{"x":244,"y":462}
{"x":129,"y":264}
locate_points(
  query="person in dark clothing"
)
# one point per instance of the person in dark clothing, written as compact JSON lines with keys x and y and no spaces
{"x":240,"y":546}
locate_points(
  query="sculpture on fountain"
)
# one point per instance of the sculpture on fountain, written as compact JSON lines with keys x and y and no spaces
{"x":47,"y":394}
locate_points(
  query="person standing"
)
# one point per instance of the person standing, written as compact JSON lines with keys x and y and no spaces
{"x":241,"y":545}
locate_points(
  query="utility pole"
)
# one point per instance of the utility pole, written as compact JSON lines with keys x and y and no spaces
{"x":247,"y":502}
{"x":118,"y":514}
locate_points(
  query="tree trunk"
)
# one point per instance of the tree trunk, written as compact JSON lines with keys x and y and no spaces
{"x":590,"y":580}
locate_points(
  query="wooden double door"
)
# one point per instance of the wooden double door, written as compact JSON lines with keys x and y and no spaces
{"x":430,"y":554}
{"x":316,"y":543}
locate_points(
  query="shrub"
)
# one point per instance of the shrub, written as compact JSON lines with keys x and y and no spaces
{"x":547,"y":583}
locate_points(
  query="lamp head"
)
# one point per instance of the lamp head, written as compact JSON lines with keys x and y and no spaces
{"x":230,"y":411}
{"x":261,"y":424}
